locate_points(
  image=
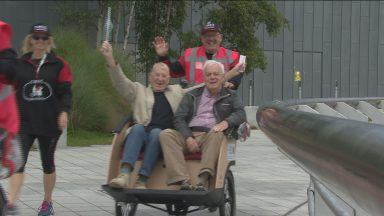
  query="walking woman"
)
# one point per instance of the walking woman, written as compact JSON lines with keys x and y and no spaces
{"x":42,"y":81}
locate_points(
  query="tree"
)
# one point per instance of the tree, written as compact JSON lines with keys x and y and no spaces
{"x":166,"y":17}
{"x":239,"y":21}
{"x":153,"y":18}
{"x":76,"y":18}
{"x":129,"y":22}
{"x":240,"y":27}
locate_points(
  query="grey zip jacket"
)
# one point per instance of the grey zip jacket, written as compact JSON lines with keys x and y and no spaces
{"x":228,"y":106}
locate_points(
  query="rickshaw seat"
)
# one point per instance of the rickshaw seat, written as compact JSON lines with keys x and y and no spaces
{"x":189,"y":156}
{"x":193,"y":156}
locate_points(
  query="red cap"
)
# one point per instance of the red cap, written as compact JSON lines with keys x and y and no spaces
{"x":5,"y":36}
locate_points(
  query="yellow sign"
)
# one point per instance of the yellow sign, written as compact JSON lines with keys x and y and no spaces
{"x":297,"y":76}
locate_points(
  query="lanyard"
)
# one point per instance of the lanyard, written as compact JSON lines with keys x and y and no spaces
{"x":41,"y":63}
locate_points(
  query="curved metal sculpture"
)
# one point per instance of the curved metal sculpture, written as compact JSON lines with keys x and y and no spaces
{"x":346,"y":156}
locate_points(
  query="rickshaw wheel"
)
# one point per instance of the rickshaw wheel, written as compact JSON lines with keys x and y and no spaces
{"x":125,"y":209}
{"x":228,"y":207}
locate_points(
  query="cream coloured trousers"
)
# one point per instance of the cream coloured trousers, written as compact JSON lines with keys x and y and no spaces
{"x":174,"y":147}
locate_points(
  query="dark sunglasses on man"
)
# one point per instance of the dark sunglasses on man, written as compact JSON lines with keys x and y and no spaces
{"x":38,"y":37}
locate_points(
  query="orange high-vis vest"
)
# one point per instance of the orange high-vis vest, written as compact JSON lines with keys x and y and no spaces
{"x":194,"y":58}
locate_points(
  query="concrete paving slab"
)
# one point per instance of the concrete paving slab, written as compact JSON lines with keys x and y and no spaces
{"x":267,"y":183}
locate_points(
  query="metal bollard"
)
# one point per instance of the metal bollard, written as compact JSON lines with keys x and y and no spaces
{"x":336,"y":89}
{"x":250,"y":102}
{"x":297,"y":78}
{"x":299,"y":89}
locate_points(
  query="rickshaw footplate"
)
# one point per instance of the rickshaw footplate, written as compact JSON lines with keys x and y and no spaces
{"x":155,"y":196}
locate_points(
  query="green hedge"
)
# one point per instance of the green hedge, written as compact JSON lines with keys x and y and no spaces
{"x":96,"y":104}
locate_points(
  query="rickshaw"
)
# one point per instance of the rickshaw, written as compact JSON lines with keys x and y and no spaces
{"x":220,"y":195}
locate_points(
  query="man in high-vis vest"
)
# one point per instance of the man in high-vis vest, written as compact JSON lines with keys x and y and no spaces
{"x":190,"y":63}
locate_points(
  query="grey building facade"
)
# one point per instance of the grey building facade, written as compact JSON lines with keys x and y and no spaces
{"x":23,"y":14}
{"x":328,"y":41}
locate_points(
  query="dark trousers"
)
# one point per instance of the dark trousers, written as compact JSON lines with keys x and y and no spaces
{"x":47,"y":146}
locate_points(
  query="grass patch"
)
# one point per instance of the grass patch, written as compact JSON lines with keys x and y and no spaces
{"x":86,"y":138}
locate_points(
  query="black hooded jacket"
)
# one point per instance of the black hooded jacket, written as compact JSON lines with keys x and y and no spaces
{"x":41,"y":95}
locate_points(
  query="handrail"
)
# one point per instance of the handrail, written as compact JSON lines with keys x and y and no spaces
{"x":346,"y":156}
{"x":306,"y":101}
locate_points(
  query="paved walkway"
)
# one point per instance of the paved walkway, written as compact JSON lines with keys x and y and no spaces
{"x":267,"y":183}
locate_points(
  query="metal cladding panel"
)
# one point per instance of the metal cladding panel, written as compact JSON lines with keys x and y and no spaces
{"x":245,"y":87}
{"x":308,"y":26}
{"x":239,"y":90}
{"x":278,"y":41}
{"x":327,"y":21}
{"x":288,"y":53}
{"x":307,"y":76}
{"x":268,"y":78}
{"x":327,"y":49}
{"x":318,"y":26}
{"x":258,"y":75}
{"x":380,"y":67}
{"x":316,"y":77}
{"x":258,"y":90}
{"x":277,"y":75}
{"x":373,"y":48}
{"x":336,"y":44}
{"x":298,"y":25}
{"x":381,"y":23}
{"x":345,"y":48}
{"x":327,"y":69}
{"x":380,"y":87}
{"x":355,"y":50}
{"x":5,"y":10}
{"x":364,"y":48}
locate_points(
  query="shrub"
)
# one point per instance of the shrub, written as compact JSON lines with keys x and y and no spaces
{"x":96,"y":104}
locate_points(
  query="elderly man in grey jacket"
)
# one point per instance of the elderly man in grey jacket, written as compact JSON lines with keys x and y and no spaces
{"x":205,"y":118}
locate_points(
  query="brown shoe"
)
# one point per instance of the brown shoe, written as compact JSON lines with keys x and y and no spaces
{"x":201,"y":187}
{"x":122,"y":181}
{"x":186,"y":185}
{"x":140,"y":185}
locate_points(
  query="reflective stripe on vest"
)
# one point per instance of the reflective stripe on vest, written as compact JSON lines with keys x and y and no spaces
{"x":193,"y":59}
{"x":5,"y":92}
{"x":192,"y":64}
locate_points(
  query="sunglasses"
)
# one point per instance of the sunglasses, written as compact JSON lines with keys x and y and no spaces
{"x":37,"y":37}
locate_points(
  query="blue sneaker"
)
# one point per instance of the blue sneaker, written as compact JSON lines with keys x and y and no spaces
{"x":46,"y":209}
